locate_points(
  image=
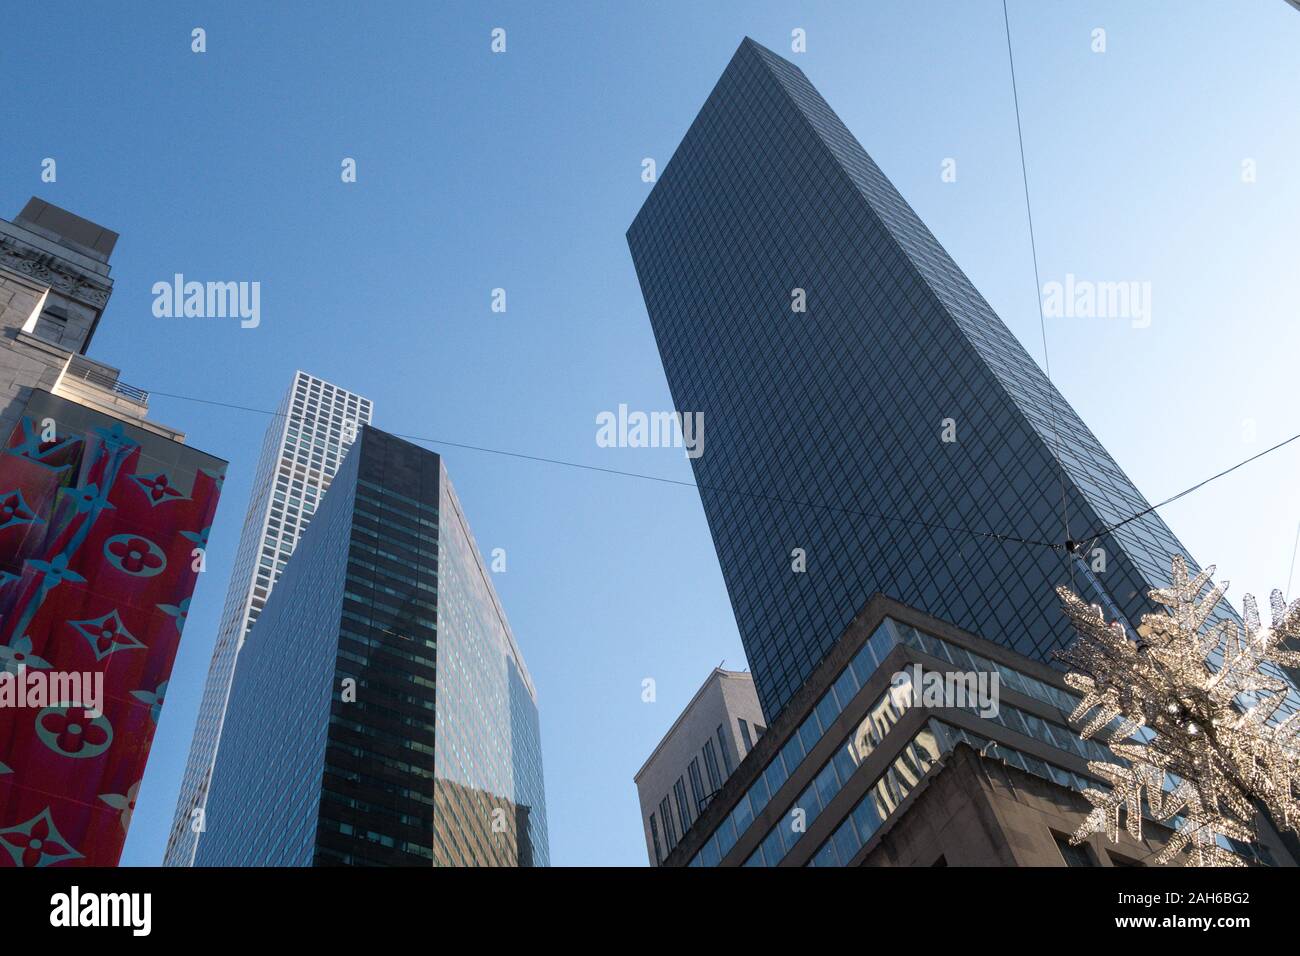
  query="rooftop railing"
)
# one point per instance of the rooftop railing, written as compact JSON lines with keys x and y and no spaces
{"x":101,"y":376}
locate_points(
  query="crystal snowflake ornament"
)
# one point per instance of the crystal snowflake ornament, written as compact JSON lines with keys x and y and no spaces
{"x":1200,"y":716}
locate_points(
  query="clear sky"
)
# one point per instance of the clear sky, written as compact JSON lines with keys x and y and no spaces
{"x":523,"y":170}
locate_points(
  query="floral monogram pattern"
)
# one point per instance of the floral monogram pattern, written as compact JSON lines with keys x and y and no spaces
{"x":71,"y":731}
{"x":107,"y":635}
{"x":97,"y":567}
{"x":154,"y":699}
{"x":181,"y":612}
{"x":37,"y":842}
{"x":56,"y":570}
{"x":35,"y":448}
{"x":13,"y":510}
{"x":87,"y":499}
{"x":135,"y":555}
{"x":124,"y":802}
{"x":19,"y":655}
{"x":158,"y":488}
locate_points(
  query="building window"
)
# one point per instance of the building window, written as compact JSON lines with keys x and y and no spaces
{"x":1073,"y":855}
{"x":697,"y":785}
{"x":726,"y":751}
{"x":654,"y":835}
{"x":1117,"y":860}
{"x":683,"y":809}
{"x":670,"y":832}
{"x":711,"y":767}
{"x":744,"y":734}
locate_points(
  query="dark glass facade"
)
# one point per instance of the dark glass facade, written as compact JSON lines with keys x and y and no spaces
{"x":820,"y":422}
{"x":383,"y":715}
{"x":840,"y":763}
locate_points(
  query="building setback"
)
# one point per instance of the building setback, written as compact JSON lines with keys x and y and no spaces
{"x":382,"y":714}
{"x":871,"y":765}
{"x":104,"y":518}
{"x":826,"y":426}
{"x":307,"y":439}
{"x":706,"y":742}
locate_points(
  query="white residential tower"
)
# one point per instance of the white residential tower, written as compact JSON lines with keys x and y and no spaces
{"x":314,"y":426}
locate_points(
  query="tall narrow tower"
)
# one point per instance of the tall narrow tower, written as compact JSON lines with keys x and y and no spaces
{"x":826,"y":425}
{"x":381,"y":713}
{"x":313,"y":428}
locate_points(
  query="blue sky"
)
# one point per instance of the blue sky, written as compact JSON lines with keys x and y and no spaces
{"x":522,"y":171}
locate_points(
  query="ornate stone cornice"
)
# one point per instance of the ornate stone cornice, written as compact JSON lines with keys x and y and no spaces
{"x":45,"y":268}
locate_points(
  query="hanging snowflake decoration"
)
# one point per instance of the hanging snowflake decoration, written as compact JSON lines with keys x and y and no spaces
{"x":1210,"y":742}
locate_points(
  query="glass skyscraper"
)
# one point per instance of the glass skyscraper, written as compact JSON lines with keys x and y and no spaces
{"x":314,"y":427}
{"x":826,"y":427}
{"x":382,"y":714}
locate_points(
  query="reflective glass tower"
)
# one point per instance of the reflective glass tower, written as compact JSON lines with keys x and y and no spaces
{"x":314,"y":427}
{"x":821,"y":421}
{"x":382,"y":713}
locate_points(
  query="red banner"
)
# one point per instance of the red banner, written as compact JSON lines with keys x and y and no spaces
{"x":100,"y":547}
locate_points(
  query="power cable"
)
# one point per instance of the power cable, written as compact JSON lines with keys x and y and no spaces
{"x":916,"y":522}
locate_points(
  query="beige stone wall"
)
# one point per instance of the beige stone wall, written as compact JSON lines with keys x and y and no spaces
{"x":978,"y":811}
{"x":24,"y":364}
